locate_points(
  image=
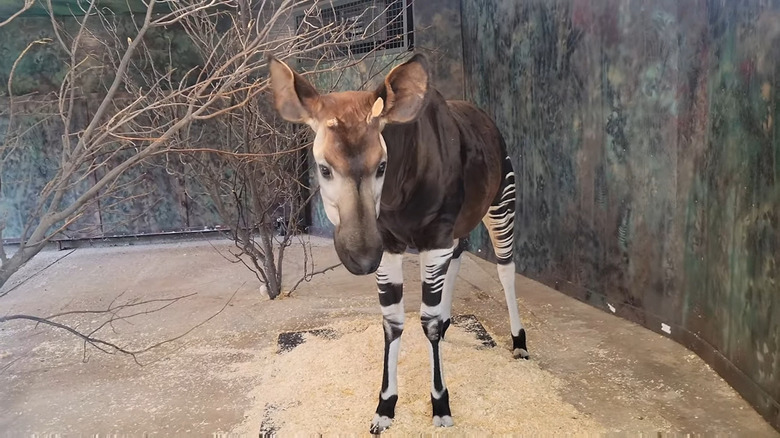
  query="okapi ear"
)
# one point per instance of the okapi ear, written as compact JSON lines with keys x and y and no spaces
{"x":294,"y":96}
{"x":404,"y":90}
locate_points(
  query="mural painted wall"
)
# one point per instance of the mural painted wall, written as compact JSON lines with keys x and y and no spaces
{"x":156,"y":198}
{"x":68,"y":7}
{"x":644,"y":138}
{"x":157,"y":201}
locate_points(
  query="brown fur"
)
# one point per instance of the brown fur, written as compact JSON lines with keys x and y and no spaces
{"x":444,"y":159}
{"x":352,"y":146}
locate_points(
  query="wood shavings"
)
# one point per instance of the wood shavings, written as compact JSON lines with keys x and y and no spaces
{"x":330,"y":386}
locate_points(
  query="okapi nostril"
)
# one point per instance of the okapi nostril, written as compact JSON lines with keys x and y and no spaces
{"x":369,"y":266}
{"x":360,"y":265}
{"x":374,"y":266}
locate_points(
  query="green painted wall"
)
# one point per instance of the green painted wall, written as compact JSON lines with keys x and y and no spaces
{"x":644,"y":138}
{"x":68,"y":8}
{"x":158,"y":201}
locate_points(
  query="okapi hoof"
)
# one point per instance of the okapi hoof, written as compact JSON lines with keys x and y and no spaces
{"x":443,"y":421}
{"x":380,"y":423}
{"x":519,"y":349}
{"x":519,"y":353}
{"x":442,"y":416}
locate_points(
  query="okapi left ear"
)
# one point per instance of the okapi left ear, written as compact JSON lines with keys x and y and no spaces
{"x":294,"y":96}
{"x":404,"y":90}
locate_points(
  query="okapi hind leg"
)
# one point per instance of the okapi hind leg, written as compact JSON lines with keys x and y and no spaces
{"x":449,"y":287}
{"x":389,"y":280}
{"x":433,"y":270}
{"x":500,"y":222}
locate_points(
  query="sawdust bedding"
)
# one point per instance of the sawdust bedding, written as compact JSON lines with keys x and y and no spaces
{"x":330,"y":386}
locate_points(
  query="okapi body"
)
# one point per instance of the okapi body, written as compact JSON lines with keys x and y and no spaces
{"x":401,"y":167}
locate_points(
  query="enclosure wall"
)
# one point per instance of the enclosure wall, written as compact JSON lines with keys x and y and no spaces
{"x":643,"y":137}
{"x":155,"y":197}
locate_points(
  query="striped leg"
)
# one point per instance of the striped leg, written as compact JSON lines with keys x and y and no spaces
{"x":449,"y":287}
{"x":389,"y":280}
{"x":433,"y":270}
{"x":500,"y":222}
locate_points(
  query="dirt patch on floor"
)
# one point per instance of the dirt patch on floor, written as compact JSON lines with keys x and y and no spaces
{"x":329,"y":385}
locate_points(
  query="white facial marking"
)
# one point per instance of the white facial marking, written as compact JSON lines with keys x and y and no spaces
{"x":333,"y":188}
{"x":384,"y":145}
{"x":330,"y":188}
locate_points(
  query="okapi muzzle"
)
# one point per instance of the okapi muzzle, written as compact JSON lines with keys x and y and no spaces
{"x":356,"y":238}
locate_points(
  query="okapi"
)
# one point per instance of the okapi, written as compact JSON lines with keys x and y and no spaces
{"x":401,"y":167}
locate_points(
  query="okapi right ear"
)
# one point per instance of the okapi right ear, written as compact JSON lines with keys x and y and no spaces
{"x":404,"y":90}
{"x":294,"y":96}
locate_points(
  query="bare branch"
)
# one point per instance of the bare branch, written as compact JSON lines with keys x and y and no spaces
{"x":27,"y":5}
{"x":11,"y":289}
{"x":16,"y":63}
{"x":97,"y":343}
{"x":3,"y":255}
{"x":212,"y":114}
{"x":308,"y":277}
{"x":91,"y":338}
{"x":249,"y":156}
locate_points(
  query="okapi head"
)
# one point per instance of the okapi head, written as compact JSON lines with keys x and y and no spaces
{"x":350,"y":153}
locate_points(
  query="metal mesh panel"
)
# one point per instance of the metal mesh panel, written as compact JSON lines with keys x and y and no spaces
{"x":374,"y":25}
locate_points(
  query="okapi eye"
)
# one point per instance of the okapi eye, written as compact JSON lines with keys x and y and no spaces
{"x":325,"y":172}
{"x":380,"y":171}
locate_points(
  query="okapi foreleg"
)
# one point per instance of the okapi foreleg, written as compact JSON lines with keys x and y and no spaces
{"x":433,"y":270}
{"x":389,"y":280}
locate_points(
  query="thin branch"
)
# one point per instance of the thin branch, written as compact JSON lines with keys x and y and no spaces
{"x":196,"y":326}
{"x":3,"y":255}
{"x":114,"y":309}
{"x":14,"y":287}
{"x":308,"y":277}
{"x":254,"y":155}
{"x":27,"y":5}
{"x":98,"y":343}
{"x":19,"y":58}
{"x":109,"y":347}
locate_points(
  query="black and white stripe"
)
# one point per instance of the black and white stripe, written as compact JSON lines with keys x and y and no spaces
{"x":433,"y":271}
{"x":500,"y":222}
{"x":500,"y":219}
{"x":389,"y":280}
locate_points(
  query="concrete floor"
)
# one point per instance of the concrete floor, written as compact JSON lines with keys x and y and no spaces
{"x":624,"y":377}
